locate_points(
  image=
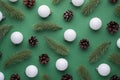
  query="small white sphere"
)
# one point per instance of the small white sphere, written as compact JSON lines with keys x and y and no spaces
{"x":1,"y":16}
{"x":44,"y":11}
{"x":13,"y":0}
{"x":1,"y":76}
{"x":70,"y":35}
{"x":118,"y":43}
{"x":77,"y":3}
{"x":104,"y":69}
{"x":31,"y":71}
{"x":16,"y":37}
{"x":61,"y":64}
{"x":95,"y":23}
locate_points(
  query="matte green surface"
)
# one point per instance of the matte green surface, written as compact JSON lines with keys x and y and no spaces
{"x":76,"y":56}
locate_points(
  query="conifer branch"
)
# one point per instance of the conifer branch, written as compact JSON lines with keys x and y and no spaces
{"x":90,"y":6}
{"x":98,"y":52}
{"x":18,"y":57}
{"x":46,"y":26}
{"x":117,"y":10}
{"x":11,"y":11}
{"x":56,"y":1}
{"x":84,"y":74}
{"x":115,"y":58}
{"x":45,"y":77}
{"x":58,"y":48}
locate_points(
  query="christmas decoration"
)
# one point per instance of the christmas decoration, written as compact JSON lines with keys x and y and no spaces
{"x":70,"y":35}
{"x":61,"y":64}
{"x":33,"y":41}
{"x":43,"y":59}
{"x":45,"y":77}
{"x":15,"y":77}
{"x":18,"y":57}
{"x":104,"y":69}
{"x":68,"y":15}
{"x":46,"y":26}
{"x":112,"y":27}
{"x":84,"y":74}
{"x":56,"y":1}
{"x":29,"y":3}
{"x":0,"y":54}
{"x":58,"y":48}
{"x":11,"y":11}
{"x":1,"y":16}
{"x":115,"y":58}
{"x":16,"y":37}
{"x":90,"y":7}
{"x":113,"y":1}
{"x":2,"y":76}
{"x":118,"y":43}
{"x":77,"y":3}
{"x":98,"y":52}
{"x":13,"y":1}
{"x":117,"y":10}
{"x":114,"y":77}
{"x":31,"y":71}
{"x":66,"y":77}
{"x":44,"y":11}
{"x":84,"y":43}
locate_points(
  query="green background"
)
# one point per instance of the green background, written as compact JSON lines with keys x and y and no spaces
{"x":76,"y":56}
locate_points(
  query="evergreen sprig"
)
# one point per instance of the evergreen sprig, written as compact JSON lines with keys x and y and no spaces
{"x":90,"y":6}
{"x":117,"y":10}
{"x":98,"y":52}
{"x":84,"y":74}
{"x":57,"y":47}
{"x":56,"y":1}
{"x":115,"y":58}
{"x":45,"y":77}
{"x":11,"y":11}
{"x":18,"y":57}
{"x":46,"y":26}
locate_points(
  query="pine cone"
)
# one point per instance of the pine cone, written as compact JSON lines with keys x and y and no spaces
{"x":112,"y":27}
{"x":29,"y":3}
{"x":113,"y":1}
{"x":43,"y":59}
{"x":15,"y":77}
{"x":33,"y":41}
{"x":0,"y":54}
{"x":115,"y":77}
{"x":84,"y":43}
{"x":68,"y":15}
{"x":66,"y":77}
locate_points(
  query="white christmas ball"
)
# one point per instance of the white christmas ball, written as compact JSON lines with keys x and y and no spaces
{"x":118,"y":43}
{"x":70,"y":35}
{"x":31,"y":71}
{"x":104,"y":69}
{"x":13,"y":0}
{"x":1,"y":16}
{"x":1,"y":76}
{"x":77,"y":3}
{"x":16,"y":37}
{"x":95,"y":23}
{"x":44,"y":11}
{"x":61,"y":64}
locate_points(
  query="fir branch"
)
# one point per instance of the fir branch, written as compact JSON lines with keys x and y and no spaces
{"x":3,"y":30}
{"x":84,"y":73}
{"x":46,"y":26}
{"x":18,"y":57}
{"x":11,"y":11}
{"x":98,"y":52}
{"x":56,"y":1}
{"x":115,"y":58}
{"x":117,"y":10}
{"x":90,"y":6}
{"x":58,"y":48}
{"x":45,"y":77}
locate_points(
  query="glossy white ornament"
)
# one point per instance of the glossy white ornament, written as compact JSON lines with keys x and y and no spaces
{"x":44,"y":11}
{"x":104,"y":69}
{"x":61,"y":64}
{"x":70,"y":35}
{"x":118,"y":43}
{"x":77,"y":3}
{"x":95,"y":23}
{"x":13,"y":0}
{"x":1,"y":16}
{"x":31,"y":71}
{"x":1,"y":76}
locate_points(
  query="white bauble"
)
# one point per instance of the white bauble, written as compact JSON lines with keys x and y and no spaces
{"x":13,"y":0}
{"x":77,"y":3}
{"x":1,"y":16}
{"x":118,"y":43}
{"x":1,"y":76}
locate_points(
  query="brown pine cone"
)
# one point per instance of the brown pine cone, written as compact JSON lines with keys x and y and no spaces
{"x":15,"y":77}
{"x":32,"y":41}
{"x":43,"y":59}
{"x":115,"y":77}
{"x":84,"y":43}
{"x":29,"y":3}
{"x":112,"y":27}
{"x":113,"y":1}
{"x":68,"y":15}
{"x":0,"y":54}
{"x":67,"y":77}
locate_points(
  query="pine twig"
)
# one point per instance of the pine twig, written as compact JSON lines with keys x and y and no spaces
{"x":11,"y":11}
{"x":84,"y":73}
{"x":58,"y":48}
{"x":45,"y":77}
{"x":117,"y":10}
{"x":46,"y":26}
{"x":115,"y":58}
{"x":18,"y":57}
{"x":56,"y":1}
{"x":98,"y":52}
{"x":90,"y":6}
